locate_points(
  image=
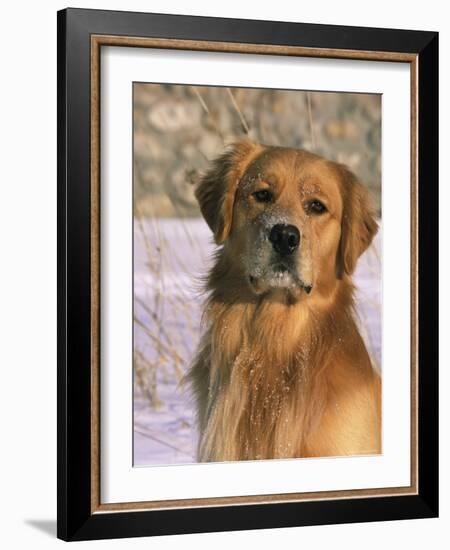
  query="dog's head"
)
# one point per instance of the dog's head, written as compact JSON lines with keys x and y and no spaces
{"x":288,"y":219}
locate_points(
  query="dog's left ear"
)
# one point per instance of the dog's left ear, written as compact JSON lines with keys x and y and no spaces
{"x":217,"y":189}
{"x":358,"y":226}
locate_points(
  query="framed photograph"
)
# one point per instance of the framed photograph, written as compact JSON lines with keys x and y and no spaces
{"x":247,"y":257}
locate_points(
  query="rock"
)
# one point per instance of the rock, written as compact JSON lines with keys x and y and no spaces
{"x":173,"y":116}
{"x":341,"y":129}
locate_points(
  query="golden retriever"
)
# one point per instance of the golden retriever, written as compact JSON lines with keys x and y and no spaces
{"x":282,"y":371}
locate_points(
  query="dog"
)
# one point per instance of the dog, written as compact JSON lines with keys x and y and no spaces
{"x":281,"y":370}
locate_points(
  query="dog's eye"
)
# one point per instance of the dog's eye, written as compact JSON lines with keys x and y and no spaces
{"x":263,"y":195}
{"x":316,"y":207}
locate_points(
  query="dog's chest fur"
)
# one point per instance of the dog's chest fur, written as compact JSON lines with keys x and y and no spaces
{"x":260,"y":399}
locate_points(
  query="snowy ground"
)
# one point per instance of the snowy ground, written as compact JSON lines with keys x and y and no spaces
{"x":170,"y":257}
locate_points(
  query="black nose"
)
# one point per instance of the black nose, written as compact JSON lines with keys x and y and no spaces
{"x":284,"y":238}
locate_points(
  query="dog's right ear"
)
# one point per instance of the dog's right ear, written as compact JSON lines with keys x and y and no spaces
{"x":217,"y":189}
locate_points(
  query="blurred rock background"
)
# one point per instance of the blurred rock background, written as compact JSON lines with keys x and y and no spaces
{"x":178,"y":129}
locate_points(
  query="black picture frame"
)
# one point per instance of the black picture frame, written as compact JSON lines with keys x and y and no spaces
{"x":76,"y":521}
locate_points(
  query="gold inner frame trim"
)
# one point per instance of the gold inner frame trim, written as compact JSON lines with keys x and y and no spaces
{"x":97,"y":41}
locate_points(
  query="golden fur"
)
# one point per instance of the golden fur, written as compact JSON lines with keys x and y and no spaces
{"x":282,"y":371}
